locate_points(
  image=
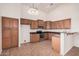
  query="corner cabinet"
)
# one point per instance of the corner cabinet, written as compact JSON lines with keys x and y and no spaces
{"x":67,"y":23}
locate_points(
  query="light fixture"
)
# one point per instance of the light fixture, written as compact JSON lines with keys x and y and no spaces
{"x":33,"y":10}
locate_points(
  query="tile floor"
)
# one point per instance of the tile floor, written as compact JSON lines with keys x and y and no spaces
{"x":42,"y":48}
{"x":73,"y":52}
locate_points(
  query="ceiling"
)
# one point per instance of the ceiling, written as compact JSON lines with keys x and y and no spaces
{"x":45,"y":7}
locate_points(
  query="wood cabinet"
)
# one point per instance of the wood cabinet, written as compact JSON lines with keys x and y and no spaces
{"x":9,"y":32}
{"x":34,"y":37}
{"x":40,"y":22}
{"x":62,"y":24}
{"x":55,"y":25}
{"x":34,"y":24}
{"x":25,"y":21}
{"x":56,"y":43}
{"x":48,"y":36}
{"x":67,"y":23}
{"x":47,"y":25}
{"x":52,"y":25}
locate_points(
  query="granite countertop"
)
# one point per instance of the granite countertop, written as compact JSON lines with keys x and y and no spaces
{"x":45,"y":32}
{"x":33,"y":33}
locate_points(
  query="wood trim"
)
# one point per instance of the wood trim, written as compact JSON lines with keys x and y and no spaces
{"x":8,"y":17}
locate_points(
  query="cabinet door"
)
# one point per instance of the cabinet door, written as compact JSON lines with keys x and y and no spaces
{"x":9,"y":32}
{"x":46,"y":36}
{"x":55,"y":25}
{"x":47,"y":25}
{"x":6,"y":41}
{"x":50,"y":36}
{"x":6,"y":33}
{"x":14,"y":32}
{"x":40,"y":22}
{"x":34,"y":24}
{"x":34,"y":37}
{"x":25,"y":21}
{"x":67,"y":23}
{"x":56,"y":43}
{"x":60,"y":24}
{"x":52,"y":25}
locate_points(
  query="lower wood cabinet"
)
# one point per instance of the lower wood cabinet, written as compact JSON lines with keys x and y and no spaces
{"x":34,"y":37}
{"x":48,"y":36}
{"x":56,"y":43}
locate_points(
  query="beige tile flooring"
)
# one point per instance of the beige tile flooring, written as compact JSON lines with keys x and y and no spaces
{"x":73,"y":52}
{"x":42,"y":48}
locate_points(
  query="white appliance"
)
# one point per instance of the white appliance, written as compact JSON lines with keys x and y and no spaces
{"x":25,"y":33}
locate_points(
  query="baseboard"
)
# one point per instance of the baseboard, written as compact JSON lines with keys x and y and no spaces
{"x":76,"y":46}
{"x":68,"y":50}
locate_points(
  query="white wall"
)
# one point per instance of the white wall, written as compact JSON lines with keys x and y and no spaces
{"x":10,"y":10}
{"x":76,"y":39}
{"x":68,"y":42}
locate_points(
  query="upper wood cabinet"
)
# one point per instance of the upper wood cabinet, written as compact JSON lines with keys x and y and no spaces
{"x":60,"y":24}
{"x":34,"y":24}
{"x":47,"y":25}
{"x":25,"y":21}
{"x":54,"y":25}
{"x":67,"y":23}
{"x":40,"y":22}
